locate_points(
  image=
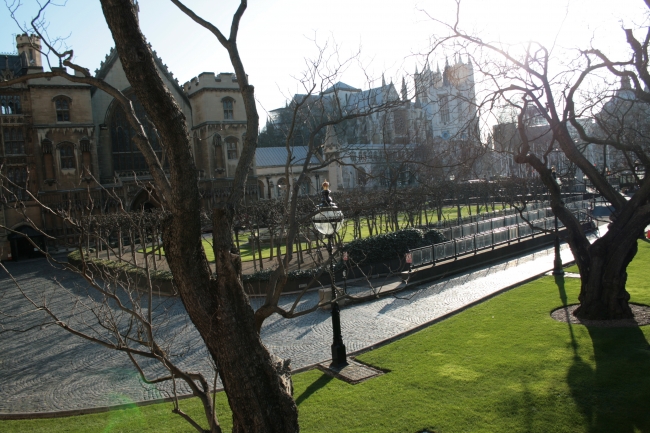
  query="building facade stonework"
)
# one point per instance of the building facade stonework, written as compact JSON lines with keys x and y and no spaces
{"x":69,"y":144}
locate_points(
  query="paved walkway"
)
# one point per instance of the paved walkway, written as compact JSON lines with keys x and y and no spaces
{"x":46,"y":369}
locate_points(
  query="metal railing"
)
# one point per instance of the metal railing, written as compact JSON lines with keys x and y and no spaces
{"x":479,"y":227}
{"x":496,"y":214}
{"x":494,"y":236}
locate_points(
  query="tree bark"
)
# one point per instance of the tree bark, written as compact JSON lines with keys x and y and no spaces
{"x":603,"y":268}
{"x":257,"y":384}
{"x":602,"y":293}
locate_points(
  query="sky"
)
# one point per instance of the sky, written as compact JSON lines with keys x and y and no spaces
{"x":277,"y":38}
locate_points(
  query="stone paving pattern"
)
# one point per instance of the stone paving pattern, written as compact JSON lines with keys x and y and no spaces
{"x":45,"y":368}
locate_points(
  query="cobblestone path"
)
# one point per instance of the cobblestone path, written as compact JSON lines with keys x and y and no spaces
{"x":43,"y":368}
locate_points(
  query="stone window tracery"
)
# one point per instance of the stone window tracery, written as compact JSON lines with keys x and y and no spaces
{"x":126,"y":155}
{"x":66,"y":156}
{"x":228,"y":104}
{"x":231,"y":147}
{"x":444,"y":109}
{"x":17,"y":182}
{"x":14,"y":141}
{"x":10,"y":104}
{"x":62,"y":105}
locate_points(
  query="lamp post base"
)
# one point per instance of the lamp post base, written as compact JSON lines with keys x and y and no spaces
{"x":339,"y":356}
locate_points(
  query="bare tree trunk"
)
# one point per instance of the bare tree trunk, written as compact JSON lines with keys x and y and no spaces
{"x":251,"y":243}
{"x":132,"y":239}
{"x":108,"y":246}
{"x":603,"y":273}
{"x":120,"y":247}
{"x":153,"y":249}
{"x":259,"y":251}
{"x":159,"y":245}
{"x":258,"y":385}
{"x":300,"y":257}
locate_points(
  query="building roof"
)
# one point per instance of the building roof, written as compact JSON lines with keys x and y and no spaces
{"x":277,"y":156}
{"x":375,"y":97}
{"x":112,"y":57}
{"x":341,"y":86}
{"x":11,"y":66}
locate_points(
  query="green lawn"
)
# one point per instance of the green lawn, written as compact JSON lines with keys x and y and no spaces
{"x":501,"y":366}
{"x":347,"y":232}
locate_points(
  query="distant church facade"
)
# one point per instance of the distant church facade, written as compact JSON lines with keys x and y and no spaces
{"x":436,"y":109}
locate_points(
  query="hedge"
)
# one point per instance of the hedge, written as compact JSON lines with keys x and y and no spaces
{"x":390,"y":246}
{"x":296,"y":274}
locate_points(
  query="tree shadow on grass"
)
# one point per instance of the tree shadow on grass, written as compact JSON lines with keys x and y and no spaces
{"x":321,"y":382}
{"x":615,"y":395}
{"x":559,"y":281}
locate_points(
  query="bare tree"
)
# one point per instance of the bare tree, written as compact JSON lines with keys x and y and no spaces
{"x":530,"y":79}
{"x":258,"y":384}
{"x":310,"y":120}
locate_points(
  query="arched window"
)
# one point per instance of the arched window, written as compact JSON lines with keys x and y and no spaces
{"x":10,"y":104}
{"x":14,"y":141}
{"x":260,"y":188}
{"x":231,"y":146}
{"x":228,"y":104}
{"x":126,"y":155}
{"x":62,"y":105}
{"x":66,"y":156}
{"x":362,"y":177}
{"x":444,"y":109}
{"x":218,"y":154}
{"x":282,"y":187}
{"x":17,"y":177}
{"x":305,"y":186}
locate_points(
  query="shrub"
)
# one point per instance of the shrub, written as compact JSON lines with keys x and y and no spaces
{"x":296,"y":274}
{"x":390,"y":246}
{"x":433,"y":236}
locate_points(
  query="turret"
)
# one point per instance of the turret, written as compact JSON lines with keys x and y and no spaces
{"x":29,"y":50}
{"x":445,"y":74}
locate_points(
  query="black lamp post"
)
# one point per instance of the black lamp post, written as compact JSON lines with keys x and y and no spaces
{"x":557,"y":263}
{"x":327,"y":222}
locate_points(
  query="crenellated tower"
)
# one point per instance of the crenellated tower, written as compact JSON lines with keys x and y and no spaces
{"x":29,"y":50}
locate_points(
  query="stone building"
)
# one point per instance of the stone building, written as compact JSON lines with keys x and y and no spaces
{"x":69,"y":144}
{"x":435,"y":106}
{"x":448,"y":100}
{"x":270,"y":169}
{"x":437,"y":111}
